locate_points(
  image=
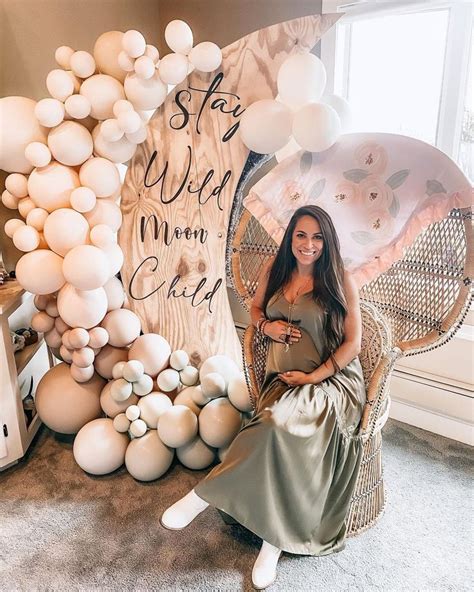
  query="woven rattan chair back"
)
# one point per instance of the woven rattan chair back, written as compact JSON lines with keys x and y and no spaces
{"x":414,"y":306}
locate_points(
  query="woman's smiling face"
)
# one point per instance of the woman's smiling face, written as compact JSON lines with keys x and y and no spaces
{"x":307,"y":242}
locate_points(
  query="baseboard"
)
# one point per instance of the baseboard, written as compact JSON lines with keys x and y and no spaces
{"x":432,"y":421}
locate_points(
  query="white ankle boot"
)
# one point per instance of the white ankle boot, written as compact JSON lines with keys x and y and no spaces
{"x":264,"y":569}
{"x":183,"y":512}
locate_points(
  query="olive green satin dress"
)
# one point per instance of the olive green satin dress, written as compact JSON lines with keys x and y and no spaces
{"x":290,"y":473}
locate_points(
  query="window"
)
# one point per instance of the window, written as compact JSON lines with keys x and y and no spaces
{"x":404,"y":68}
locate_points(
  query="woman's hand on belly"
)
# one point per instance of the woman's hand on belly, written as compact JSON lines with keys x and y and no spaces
{"x":295,"y":378}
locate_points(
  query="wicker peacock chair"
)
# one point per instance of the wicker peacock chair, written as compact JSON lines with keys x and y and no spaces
{"x":415,"y":306}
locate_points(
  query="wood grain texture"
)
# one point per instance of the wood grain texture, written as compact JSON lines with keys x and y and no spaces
{"x":249,"y":70}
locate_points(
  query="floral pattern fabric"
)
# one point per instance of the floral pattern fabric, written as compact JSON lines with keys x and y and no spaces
{"x":381,"y":191}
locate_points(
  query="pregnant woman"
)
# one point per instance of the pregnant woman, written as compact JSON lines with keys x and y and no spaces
{"x":290,"y":473}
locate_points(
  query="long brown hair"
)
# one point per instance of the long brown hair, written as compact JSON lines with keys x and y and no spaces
{"x":328,"y":274}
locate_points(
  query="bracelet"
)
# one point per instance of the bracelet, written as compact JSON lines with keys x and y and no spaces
{"x":259,"y":323}
{"x":263,"y":325}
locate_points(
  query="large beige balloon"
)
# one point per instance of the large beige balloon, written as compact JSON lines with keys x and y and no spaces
{"x":123,"y":327}
{"x":65,"y":405}
{"x":107,"y":212}
{"x":111,"y":407}
{"x":147,"y":458}
{"x":65,"y":229}
{"x":70,"y":143}
{"x":106,"y":52}
{"x":101,"y":176}
{"x":82,"y":308}
{"x":153,"y":351}
{"x":50,"y":187}
{"x":177,"y":426}
{"x":152,"y":406}
{"x":115,"y":294}
{"x":145,"y":94}
{"x":40,"y":272}
{"x":98,"y":448}
{"x":19,"y":127}
{"x":102,"y":91}
{"x":107,"y":358}
{"x":238,"y":393}
{"x":120,"y":151}
{"x":219,"y":423}
{"x":86,"y":267}
{"x":196,"y":454}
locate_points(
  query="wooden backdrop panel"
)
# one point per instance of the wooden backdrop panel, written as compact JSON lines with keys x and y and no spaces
{"x":178,"y":191}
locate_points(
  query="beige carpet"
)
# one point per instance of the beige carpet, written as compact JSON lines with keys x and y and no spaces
{"x":61,"y":529}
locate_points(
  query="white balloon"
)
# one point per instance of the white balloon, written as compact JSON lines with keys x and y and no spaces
{"x":238,"y":393}
{"x":98,"y":448}
{"x":106,"y":52}
{"x":342,"y":108}
{"x":120,"y":390}
{"x":98,"y":337}
{"x":82,"y":64}
{"x":110,"y":130}
{"x":102,"y":91}
{"x":219,"y":422}
{"x":206,"y":56}
{"x":152,"y":406}
{"x":17,"y":185}
{"x":173,"y":68}
{"x":138,"y":428}
{"x":12,"y":225}
{"x":83,"y":199}
{"x":117,"y":370}
{"x":25,"y":205}
{"x":105,"y":212}
{"x":301,"y":79}
{"x":65,"y":229}
{"x":167,"y":380}
{"x":144,"y":67}
{"x":145,"y":94}
{"x":189,"y":375}
{"x":152,"y":52}
{"x":101,"y":236}
{"x":115,"y":257}
{"x":265,"y":126}
{"x":38,"y":154}
{"x":101,"y":176}
{"x":147,"y":458}
{"x":9,"y":200}
{"x":119,"y":151}
{"x":139,"y":136}
{"x":123,"y":327}
{"x":121,"y":106}
{"x":50,"y":187}
{"x":63,"y":56}
{"x":49,"y":112}
{"x":316,"y":127}
{"x":184,"y":398}
{"x":19,"y":127}
{"x":78,"y":106}
{"x":179,"y":359}
{"x":153,"y":351}
{"x":133,"y":43}
{"x":121,"y":423}
{"x":213,"y":385}
{"x":114,"y":290}
{"x":81,"y":308}
{"x":129,"y":122}
{"x":143,"y":386}
{"x":177,"y":426}
{"x":133,"y":370}
{"x":86,"y":267}
{"x":179,"y":36}
{"x":51,"y":277}
{"x":70,"y":143}
{"x":126,"y":62}
{"x":61,"y":84}
{"x":133,"y":412}
{"x":26,"y":238}
{"x":197,"y":395}
{"x":36,"y":218}
{"x":196,"y":455}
